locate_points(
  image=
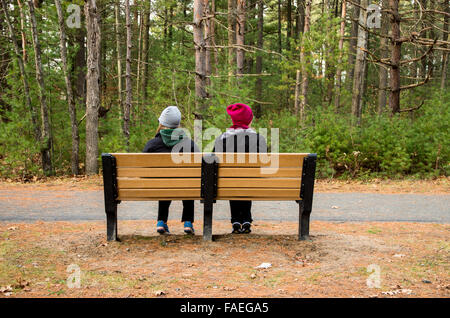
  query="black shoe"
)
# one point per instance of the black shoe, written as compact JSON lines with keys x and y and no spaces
{"x":236,"y":228}
{"x":246,"y":228}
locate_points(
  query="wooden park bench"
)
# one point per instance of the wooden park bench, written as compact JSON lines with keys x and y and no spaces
{"x":208,"y":177}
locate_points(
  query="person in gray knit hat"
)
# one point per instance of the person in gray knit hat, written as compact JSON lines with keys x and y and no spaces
{"x":170,"y":117}
{"x":167,"y":136}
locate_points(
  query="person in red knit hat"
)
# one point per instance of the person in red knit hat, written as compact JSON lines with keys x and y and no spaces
{"x":240,"y":138}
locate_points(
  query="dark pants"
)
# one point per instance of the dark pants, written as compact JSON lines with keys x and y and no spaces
{"x":188,"y":210}
{"x":241,"y":211}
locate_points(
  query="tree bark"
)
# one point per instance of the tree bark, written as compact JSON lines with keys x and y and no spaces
{"x":396,"y":48}
{"x":240,"y":36}
{"x":259,"y":59}
{"x":383,"y":72}
{"x":444,"y":64}
{"x":128,"y":87}
{"x":300,"y":18}
{"x":92,"y":86}
{"x":46,"y":135}
{"x":352,"y":44}
{"x":69,"y":91}
{"x":145,"y":50}
{"x":118,"y":57}
{"x":208,"y":42}
{"x":304,"y":91}
{"x":360,"y":65}
{"x":280,"y":48}
{"x":289,"y":24}
{"x":231,"y":36}
{"x":337,"y":96}
{"x":200,"y":54}
{"x":22,"y":30}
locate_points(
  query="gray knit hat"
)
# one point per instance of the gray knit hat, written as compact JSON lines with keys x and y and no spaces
{"x":170,"y":117}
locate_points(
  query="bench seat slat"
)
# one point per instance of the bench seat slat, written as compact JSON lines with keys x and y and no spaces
{"x":163,"y":183}
{"x":159,"y":194}
{"x":293,"y":183}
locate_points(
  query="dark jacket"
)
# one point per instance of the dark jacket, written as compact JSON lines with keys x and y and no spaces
{"x":240,"y":140}
{"x":157,"y":144}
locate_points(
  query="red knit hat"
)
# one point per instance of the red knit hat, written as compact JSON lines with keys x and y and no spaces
{"x":240,"y":114}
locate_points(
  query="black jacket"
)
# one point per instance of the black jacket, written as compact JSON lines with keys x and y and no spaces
{"x":157,"y":145}
{"x":240,"y":140}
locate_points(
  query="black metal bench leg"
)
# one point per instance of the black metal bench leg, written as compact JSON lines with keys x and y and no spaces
{"x":303,"y":223}
{"x":111,"y":223}
{"x":207,"y":221}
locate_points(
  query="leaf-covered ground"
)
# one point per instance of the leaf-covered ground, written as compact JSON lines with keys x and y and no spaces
{"x":413,"y":259}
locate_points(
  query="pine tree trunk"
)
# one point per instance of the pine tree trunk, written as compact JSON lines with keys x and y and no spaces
{"x":23,"y":73}
{"x":304,"y":90}
{"x":231,"y":36}
{"x":145,"y":50}
{"x":69,"y":91}
{"x":92,"y":86}
{"x":300,"y":18}
{"x":46,"y":135}
{"x":240,"y":36}
{"x":259,"y":60}
{"x":128,"y":87}
{"x":352,"y":44}
{"x":337,"y":96}
{"x":208,"y":42}
{"x":200,"y":57}
{"x":280,"y":48}
{"x":360,"y":65}
{"x":396,"y":48}
{"x":382,"y":72}
{"x":444,"y":64}
{"x":118,"y":57}
{"x":289,"y":24}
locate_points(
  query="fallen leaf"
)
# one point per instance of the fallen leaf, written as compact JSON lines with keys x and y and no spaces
{"x":399,"y":255}
{"x":5,"y":289}
{"x":335,"y":207}
{"x":253,"y":276}
{"x":12,"y":228}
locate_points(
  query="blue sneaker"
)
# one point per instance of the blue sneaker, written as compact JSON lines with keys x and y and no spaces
{"x":162,"y":228}
{"x":188,"y":227}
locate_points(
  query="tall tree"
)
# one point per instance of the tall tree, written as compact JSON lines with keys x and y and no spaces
{"x":259,"y":58}
{"x":337,"y":96}
{"x":118,"y":56}
{"x":360,"y":64}
{"x":92,"y":85}
{"x":352,"y":43}
{"x":289,"y":23}
{"x":200,"y":57}
{"x":128,"y":87}
{"x":145,"y":50}
{"x":382,"y":69}
{"x":444,"y":63}
{"x":304,"y":90}
{"x":46,"y":135}
{"x":69,"y":90}
{"x":231,"y":36}
{"x":240,"y":36}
